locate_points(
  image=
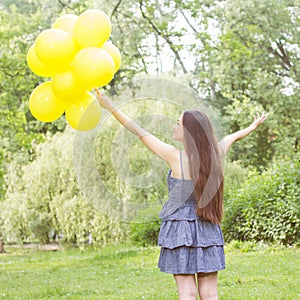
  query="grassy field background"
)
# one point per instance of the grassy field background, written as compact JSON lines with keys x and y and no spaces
{"x":130,"y":272}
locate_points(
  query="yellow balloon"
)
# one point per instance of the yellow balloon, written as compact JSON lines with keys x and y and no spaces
{"x":44,"y":105}
{"x":67,"y":87}
{"x":55,"y":48}
{"x":36,"y":66}
{"x":114,"y":53}
{"x":94,"y":66}
{"x":93,"y":28}
{"x":85,"y":114}
{"x":66,"y":22}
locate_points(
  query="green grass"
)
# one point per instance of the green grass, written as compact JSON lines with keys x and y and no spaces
{"x":130,"y":272}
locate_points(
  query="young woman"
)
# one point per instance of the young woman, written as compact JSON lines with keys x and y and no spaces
{"x":190,"y":236}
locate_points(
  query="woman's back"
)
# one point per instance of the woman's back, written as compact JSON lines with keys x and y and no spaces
{"x":180,"y":168}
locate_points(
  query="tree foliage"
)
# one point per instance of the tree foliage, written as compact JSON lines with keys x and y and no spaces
{"x":241,"y":56}
{"x":258,"y":66}
{"x":43,"y":201}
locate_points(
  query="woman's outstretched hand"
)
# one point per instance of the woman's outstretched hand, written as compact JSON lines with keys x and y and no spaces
{"x":104,"y":101}
{"x":258,"y":119}
{"x":238,"y":135}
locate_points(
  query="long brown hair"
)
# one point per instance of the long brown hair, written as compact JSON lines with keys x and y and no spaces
{"x":204,"y":165}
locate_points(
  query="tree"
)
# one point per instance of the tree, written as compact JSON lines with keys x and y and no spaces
{"x":257,"y":69}
{"x":245,"y":60}
{"x":21,"y":22}
{"x":241,"y":56}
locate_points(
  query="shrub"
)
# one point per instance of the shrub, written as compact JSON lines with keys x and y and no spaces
{"x":145,"y":227}
{"x":266,"y":207}
{"x":235,"y":175}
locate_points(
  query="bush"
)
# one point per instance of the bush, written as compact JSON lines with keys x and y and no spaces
{"x":235,"y":175}
{"x":266,"y":208}
{"x":145,"y":228}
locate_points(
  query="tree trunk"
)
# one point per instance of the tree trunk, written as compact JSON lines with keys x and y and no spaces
{"x":2,"y":250}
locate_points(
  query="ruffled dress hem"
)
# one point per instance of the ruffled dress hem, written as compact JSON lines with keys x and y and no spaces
{"x":190,"y":247}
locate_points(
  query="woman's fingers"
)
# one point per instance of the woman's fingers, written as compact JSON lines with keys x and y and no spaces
{"x":262,"y":117}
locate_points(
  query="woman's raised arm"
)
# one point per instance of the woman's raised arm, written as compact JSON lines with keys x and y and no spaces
{"x":165,"y":151}
{"x":230,"y":139}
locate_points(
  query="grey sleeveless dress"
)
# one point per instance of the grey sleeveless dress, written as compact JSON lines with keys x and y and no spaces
{"x":188,"y":245}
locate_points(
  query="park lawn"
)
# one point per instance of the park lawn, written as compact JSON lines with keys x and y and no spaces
{"x":130,"y":272}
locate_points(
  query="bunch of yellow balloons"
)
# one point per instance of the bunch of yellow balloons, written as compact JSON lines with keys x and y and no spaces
{"x":77,"y":56}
